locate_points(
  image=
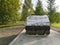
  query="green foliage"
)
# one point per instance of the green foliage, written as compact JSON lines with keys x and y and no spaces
{"x":9,"y":11}
{"x":18,"y":23}
{"x":53,"y":15}
{"x":39,"y":9}
{"x":51,"y":9}
{"x":24,"y":13}
{"x":56,"y":18}
{"x":27,"y":9}
{"x":55,"y":25}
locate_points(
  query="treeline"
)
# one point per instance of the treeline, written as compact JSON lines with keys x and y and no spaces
{"x":9,"y":11}
{"x":28,"y":10}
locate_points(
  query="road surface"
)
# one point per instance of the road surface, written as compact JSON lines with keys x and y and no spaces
{"x":22,"y":39}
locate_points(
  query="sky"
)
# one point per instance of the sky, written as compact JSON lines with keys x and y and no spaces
{"x":57,"y":3}
{"x":44,"y":2}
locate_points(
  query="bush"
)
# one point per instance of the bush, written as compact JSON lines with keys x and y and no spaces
{"x":55,"y":18}
{"x":9,"y":11}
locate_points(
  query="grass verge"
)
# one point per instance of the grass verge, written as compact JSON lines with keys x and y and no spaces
{"x":55,"y":25}
{"x":11,"y":25}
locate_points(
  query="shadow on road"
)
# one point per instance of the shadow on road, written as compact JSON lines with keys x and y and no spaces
{"x":6,"y":40}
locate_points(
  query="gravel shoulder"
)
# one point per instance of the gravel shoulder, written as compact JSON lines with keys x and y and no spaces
{"x":55,"y":29}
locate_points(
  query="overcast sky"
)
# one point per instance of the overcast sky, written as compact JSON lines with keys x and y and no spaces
{"x":45,"y":4}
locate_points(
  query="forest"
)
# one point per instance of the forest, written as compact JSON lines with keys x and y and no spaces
{"x":16,"y":12}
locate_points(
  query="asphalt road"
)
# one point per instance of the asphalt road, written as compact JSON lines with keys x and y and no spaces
{"x":22,"y":39}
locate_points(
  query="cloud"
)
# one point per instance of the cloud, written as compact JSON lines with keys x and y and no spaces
{"x":45,"y":4}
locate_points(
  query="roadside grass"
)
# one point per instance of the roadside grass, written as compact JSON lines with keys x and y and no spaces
{"x":23,"y":23}
{"x":11,"y":25}
{"x":55,"y":25}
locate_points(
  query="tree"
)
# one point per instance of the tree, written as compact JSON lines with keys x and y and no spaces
{"x":26,"y":10}
{"x":51,"y":9}
{"x":56,"y":17}
{"x":9,"y":11}
{"x":39,"y":9}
